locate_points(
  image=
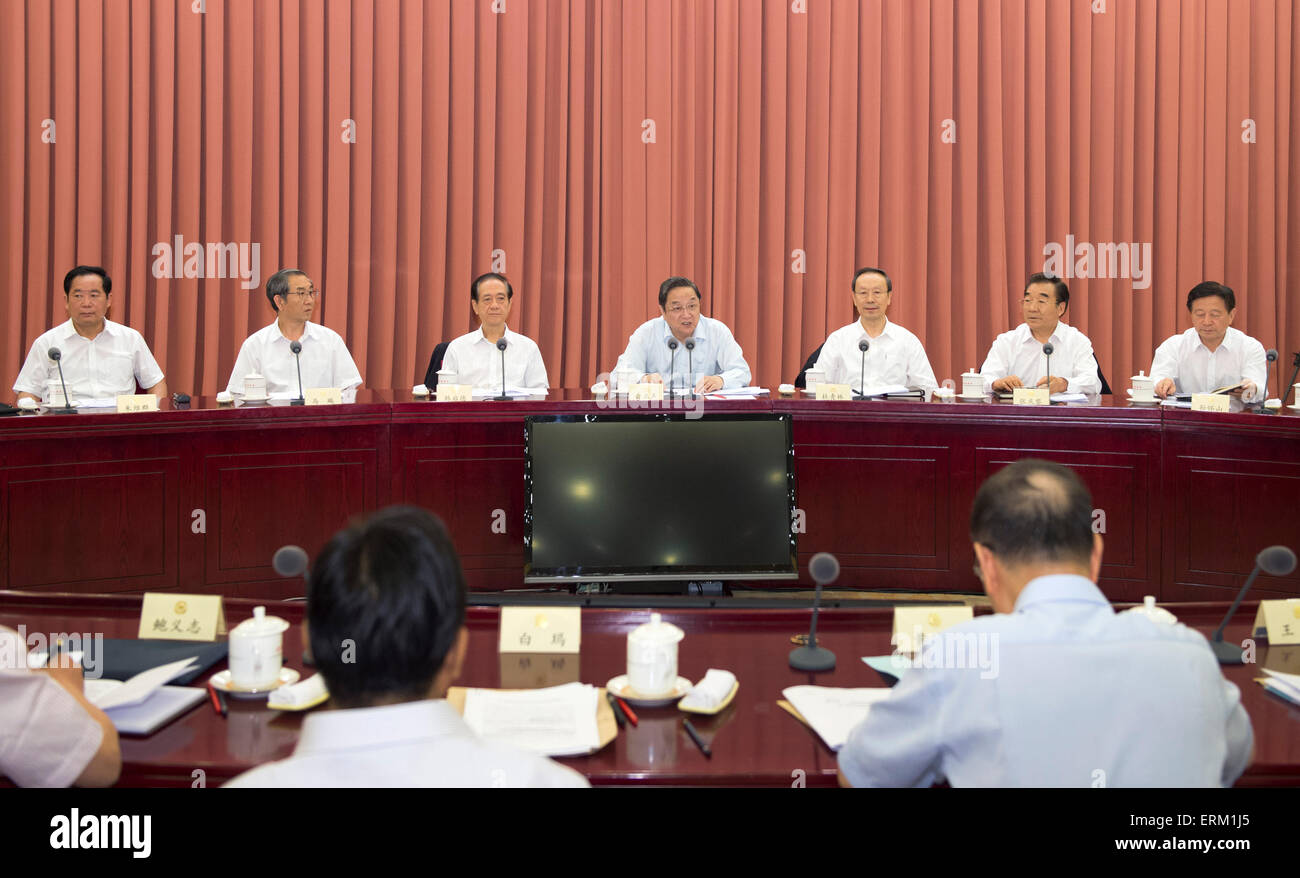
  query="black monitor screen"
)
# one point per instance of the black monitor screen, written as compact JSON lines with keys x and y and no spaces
{"x":618,"y":497}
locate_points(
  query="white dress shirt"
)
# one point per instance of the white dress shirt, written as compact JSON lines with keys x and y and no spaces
{"x":896,"y":356}
{"x":1197,"y":369}
{"x":716,"y":353}
{"x":476,"y":361}
{"x":103,"y":367}
{"x":46,"y":738}
{"x":1018,"y":353}
{"x":325,"y":361}
{"x":1072,"y":694}
{"x":412,"y":744}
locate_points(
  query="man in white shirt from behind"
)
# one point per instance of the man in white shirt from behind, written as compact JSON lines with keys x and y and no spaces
{"x":1211,"y":354}
{"x":894,"y":355}
{"x":269,"y":352}
{"x":386,"y":627}
{"x":1016,"y":358}
{"x":101,"y":359}
{"x":475,"y":357}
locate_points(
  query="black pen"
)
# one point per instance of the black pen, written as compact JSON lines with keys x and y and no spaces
{"x":695,"y":736}
{"x":221,"y":697}
{"x":618,"y":714}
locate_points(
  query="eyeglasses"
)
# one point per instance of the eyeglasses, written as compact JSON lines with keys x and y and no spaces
{"x":677,"y":309}
{"x":307,"y":294}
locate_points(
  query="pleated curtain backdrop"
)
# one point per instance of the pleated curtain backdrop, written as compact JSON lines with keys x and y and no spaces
{"x":396,"y":148}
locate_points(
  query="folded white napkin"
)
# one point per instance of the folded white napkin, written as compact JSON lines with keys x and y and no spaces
{"x":299,"y":694}
{"x":711,"y":691}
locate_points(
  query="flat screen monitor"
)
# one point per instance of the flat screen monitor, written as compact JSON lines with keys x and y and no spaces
{"x":623,"y":498}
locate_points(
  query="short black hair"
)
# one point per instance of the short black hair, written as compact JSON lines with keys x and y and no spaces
{"x":853,"y":284}
{"x":278,"y":284}
{"x":673,"y":283}
{"x":1062,"y":291}
{"x":1207,"y":288}
{"x":473,"y":285}
{"x":385,"y":600}
{"x":1034,"y":511}
{"x":87,"y":269}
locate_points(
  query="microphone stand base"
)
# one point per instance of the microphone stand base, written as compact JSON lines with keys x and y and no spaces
{"x":812,"y":658}
{"x":63,"y":410}
{"x":502,"y":398}
{"x":298,"y":401}
{"x":1226,"y":653}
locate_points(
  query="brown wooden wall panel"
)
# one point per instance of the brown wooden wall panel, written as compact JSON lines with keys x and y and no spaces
{"x":110,"y":525}
{"x":256,"y":503}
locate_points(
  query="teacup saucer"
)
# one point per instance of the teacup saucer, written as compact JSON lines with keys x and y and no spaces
{"x":972,"y":396}
{"x":619,"y":688}
{"x":221,"y":680}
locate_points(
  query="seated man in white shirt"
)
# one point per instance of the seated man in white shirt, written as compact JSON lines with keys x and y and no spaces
{"x":1016,"y":358}
{"x":386,"y":628}
{"x":50,"y":734}
{"x":269,"y":352}
{"x":1211,"y":354}
{"x":894,"y":356}
{"x":476,"y":358}
{"x":695,"y":352}
{"x":101,"y":359}
{"x":1055,"y":688}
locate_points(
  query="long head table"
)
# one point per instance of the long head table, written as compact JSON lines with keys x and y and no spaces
{"x":754,"y":741}
{"x":198,"y":499}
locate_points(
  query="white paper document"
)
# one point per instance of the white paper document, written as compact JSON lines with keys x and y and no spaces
{"x":1287,"y":682}
{"x":1069,"y":397}
{"x":512,"y":392}
{"x":748,"y":392}
{"x":882,"y":389}
{"x":1177,"y":403}
{"x":832,"y":712}
{"x":108,"y":694}
{"x":557,"y":721}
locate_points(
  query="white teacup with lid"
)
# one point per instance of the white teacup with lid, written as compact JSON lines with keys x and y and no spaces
{"x":652,"y":657}
{"x":972,"y":384}
{"x":257,"y":650}
{"x":1144,"y":387}
{"x":254,"y":386}
{"x":813,"y":377}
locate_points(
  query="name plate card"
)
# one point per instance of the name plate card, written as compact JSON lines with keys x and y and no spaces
{"x":834,"y":391}
{"x":913,"y":622}
{"x":137,"y":402}
{"x":646,"y":390}
{"x":167,"y":616}
{"x":1280,"y":621}
{"x":455,"y":393}
{"x":1031,"y":396}
{"x":552,"y":630}
{"x":1211,"y":402}
{"x":323,"y":396}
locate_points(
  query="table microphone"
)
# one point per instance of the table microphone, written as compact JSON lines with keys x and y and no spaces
{"x":1271,"y":356}
{"x":57,"y":356}
{"x":501,"y":346}
{"x":289,"y":561}
{"x":690,"y":368}
{"x":825,"y":569}
{"x":1047,"y":352}
{"x":1276,"y":561}
{"x":296,"y":347}
{"x":672,"y":359}
{"x":863,"y":346}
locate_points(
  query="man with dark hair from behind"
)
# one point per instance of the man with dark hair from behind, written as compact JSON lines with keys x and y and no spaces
{"x":386,"y":626}
{"x":1055,"y":688}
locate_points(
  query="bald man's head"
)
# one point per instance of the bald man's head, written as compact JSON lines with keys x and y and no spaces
{"x":1034,"y":512}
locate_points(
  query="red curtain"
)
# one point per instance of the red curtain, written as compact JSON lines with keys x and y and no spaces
{"x":765,"y":148}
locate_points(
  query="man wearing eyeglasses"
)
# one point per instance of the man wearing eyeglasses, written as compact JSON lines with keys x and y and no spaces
{"x":268,"y":352}
{"x":101,"y":359}
{"x":705,"y":357}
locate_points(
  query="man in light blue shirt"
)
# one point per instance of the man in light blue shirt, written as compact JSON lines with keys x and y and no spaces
{"x":684,"y":348}
{"x":1055,"y":689}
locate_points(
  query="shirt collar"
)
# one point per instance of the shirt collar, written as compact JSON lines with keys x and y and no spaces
{"x":365,"y":727}
{"x":862,"y":331}
{"x":1229,"y":343}
{"x":69,"y":331}
{"x":1060,"y":588}
{"x":480,"y":336}
{"x":309,"y":331}
{"x":700,"y":334}
{"x":1057,"y":336}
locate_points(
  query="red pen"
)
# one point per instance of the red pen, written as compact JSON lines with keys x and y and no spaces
{"x":216,"y":705}
{"x":628,"y":711}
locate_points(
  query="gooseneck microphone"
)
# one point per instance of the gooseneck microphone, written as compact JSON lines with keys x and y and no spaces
{"x":1047,"y":352}
{"x":289,"y":561}
{"x":66,"y":409}
{"x":690,"y":367}
{"x":501,"y":346}
{"x":825,"y":569}
{"x":672,"y":360}
{"x":296,"y":347}
{"x":1271,"y":356}
{"x":863,"y":346}
{"x":1275,"y":561}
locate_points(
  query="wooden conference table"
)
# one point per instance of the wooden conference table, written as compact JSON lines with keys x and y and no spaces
{"x":754,"y":742}
{"x":199,"y":499}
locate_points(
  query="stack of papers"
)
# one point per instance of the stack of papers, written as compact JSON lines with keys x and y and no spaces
{"x":740,"y":392}
{"x":1284,"y":685}
{"x":832,"y":713}
{"x":558,"y":721}
{"x":1069,"y":397}
{"x":882,"y":389}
